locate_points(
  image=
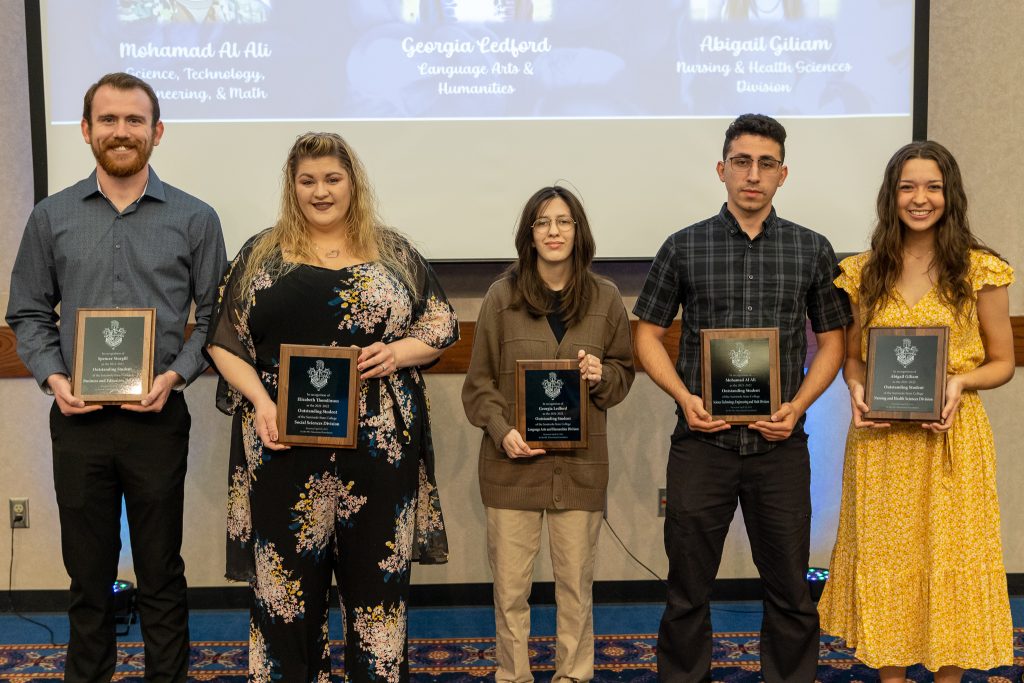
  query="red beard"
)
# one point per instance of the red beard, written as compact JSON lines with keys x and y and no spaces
{"x":122,"y":168}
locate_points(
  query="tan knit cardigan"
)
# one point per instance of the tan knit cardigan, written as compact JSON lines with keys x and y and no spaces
{"x":558,"y":480}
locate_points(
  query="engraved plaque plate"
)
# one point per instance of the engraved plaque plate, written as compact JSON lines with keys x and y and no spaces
{"x":740,"y":373}
{"x":906,"y":373}
{"x":318,"y":396}
{"x":114,"y":354}
{"x":551,"y":404}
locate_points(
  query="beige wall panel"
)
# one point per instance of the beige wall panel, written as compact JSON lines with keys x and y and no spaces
{"x":974,"y":108}
{"x":16,"y":147}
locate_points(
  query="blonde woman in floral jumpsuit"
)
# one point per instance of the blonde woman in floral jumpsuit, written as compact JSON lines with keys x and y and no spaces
{"x":328,"y":274}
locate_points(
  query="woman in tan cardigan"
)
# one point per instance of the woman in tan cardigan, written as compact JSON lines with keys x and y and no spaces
{"x":547,"y":305}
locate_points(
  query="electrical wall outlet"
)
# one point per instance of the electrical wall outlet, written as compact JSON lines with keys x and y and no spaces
{"x":19,"y":513}
{"x":662,"y":502}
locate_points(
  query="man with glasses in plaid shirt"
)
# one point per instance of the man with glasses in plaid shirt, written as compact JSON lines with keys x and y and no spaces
{"x":744,"y":267}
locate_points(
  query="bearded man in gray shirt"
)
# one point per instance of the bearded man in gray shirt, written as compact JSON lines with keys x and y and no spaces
{"x":121,"y":238}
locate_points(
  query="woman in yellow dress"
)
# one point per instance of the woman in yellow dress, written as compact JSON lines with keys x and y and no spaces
{"x":917,"y":571}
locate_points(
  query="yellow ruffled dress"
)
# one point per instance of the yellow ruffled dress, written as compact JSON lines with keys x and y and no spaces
{"x":917,"y":571}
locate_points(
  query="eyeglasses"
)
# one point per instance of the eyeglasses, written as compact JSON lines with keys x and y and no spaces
{"x":742,"y":164}
{"x":564,"y":223}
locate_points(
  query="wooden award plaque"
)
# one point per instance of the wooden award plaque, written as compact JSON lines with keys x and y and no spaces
{"x":740,"y":373}
{"x":552,"y":401}
{"x":318,"y":396}
{"x":906,"y":373}
{"x":113,"y":354}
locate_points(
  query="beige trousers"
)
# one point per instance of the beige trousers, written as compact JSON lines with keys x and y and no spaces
{"x":513,"y":540}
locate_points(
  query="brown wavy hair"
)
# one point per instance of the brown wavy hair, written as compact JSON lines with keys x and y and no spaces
{"x":368,"y":237}
{"x":529,"y":290}
{"x":953,"y":237}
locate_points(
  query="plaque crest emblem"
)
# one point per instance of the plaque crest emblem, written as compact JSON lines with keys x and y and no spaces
{"x":906,"y":353}
{"x":114,"y":334}
{"x":552,"y":386}
{"x":319,"y":375}
{"x":740,"y":356}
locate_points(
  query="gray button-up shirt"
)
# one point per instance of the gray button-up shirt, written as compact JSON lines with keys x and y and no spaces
{"x":164,"y":251}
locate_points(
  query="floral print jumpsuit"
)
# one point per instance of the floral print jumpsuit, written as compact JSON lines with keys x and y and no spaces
{"x":299,"y":516}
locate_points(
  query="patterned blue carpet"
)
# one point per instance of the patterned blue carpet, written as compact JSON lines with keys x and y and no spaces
{"x":456,"y":645}
{"x":627,"y":657}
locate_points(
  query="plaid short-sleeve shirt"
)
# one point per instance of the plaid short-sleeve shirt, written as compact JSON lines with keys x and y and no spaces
{"x":722,"y":278}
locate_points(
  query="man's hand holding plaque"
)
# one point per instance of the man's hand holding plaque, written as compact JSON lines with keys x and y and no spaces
{"x":113,"y":355}
{"x":740,"y":373}
{"x":552,"y":402}
{"x":318,"y":396}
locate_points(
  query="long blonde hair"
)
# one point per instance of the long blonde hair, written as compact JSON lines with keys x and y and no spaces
{"x":367,"y":236}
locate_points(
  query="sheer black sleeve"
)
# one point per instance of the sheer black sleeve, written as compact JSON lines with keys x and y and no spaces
{"x":229,"y":325}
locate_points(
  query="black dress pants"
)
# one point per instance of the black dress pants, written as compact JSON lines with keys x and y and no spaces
{"x":704,"y":484}
{"x":98,"y":459}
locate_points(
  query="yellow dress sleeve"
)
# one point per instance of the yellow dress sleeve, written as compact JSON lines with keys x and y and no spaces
{"x":849,"y":278}
{"x":987,"y":269}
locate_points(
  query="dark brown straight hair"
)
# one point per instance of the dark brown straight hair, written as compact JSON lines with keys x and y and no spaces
{"x":529,"y":290}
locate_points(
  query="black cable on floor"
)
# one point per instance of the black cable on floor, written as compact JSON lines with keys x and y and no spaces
{"x":630,"y":553}
{"x":663,"y":581}
{"x":10,"y":599}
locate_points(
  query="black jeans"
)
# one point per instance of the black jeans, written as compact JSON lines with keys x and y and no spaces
{"x":704,"y":484}
{"x":98,"y":458}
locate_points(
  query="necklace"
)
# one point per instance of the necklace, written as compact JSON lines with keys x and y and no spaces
{"x":329,"y":253}
{"x":921,"y":257}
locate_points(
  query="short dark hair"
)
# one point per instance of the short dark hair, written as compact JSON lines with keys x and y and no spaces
{"x":756,"y":124}
{"x":120,"y":81}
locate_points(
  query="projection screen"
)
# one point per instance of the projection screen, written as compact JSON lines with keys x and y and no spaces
{"x":460,"y":109}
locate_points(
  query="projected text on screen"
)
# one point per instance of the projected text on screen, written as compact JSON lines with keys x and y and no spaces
{"x":483,"y":59}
